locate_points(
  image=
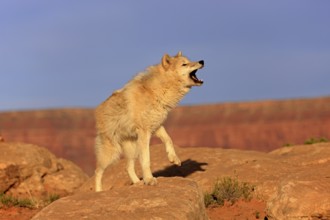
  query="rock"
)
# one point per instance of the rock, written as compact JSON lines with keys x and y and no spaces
{"x":172,"y":198}
{"x":294,"y":181}
{"x":69,"y":179}
{"x":303,"y":190}
{"x":27,"y":170}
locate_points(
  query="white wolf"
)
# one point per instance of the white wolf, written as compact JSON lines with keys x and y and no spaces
{"x":126,"y":121}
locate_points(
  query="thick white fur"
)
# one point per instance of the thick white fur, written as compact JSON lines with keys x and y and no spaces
{"x":126,"y":121}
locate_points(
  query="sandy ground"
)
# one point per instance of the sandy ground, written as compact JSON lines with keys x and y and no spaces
{"x":241,"y":210}
{"x":254,"y":209}
{"x":17,"y":213}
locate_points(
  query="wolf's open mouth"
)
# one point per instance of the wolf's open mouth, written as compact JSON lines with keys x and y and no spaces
{"x":194,"y":77}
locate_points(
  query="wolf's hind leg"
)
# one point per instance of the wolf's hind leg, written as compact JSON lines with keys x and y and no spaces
{"x":106,"y":154}
{"x":166,"y":139}
{"x":131,"y":154}
{"x":131,"y":170}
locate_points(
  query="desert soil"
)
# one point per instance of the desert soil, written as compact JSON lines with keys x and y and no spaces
{"x":241,"y":210}
{"x":17,"y":213}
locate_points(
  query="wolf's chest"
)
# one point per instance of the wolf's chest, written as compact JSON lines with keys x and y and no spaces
{"x":153,"y":117}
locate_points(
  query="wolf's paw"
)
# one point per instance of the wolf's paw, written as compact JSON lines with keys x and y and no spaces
{"x":139,"y":183}
{"x":173,"y":158}
{"x":151,"y":181}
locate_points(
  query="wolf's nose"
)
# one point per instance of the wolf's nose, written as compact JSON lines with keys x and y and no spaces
{"x":201,"y":62}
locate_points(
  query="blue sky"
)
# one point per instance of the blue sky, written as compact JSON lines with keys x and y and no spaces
{"x":56,"y":54}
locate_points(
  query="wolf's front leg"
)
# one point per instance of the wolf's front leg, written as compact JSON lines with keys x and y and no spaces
{"x":144,"y":156}
{"x":166,"y":139}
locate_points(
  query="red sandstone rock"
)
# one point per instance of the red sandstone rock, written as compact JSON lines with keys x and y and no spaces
{"x":294,"y":181}
{"x":30,"y":171}
{"x":172,"y":198}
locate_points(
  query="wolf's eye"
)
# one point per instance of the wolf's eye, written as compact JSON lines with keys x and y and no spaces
{"x":184,"y":64}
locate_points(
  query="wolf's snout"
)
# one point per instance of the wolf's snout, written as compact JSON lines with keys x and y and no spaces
{"x":201,"y":62}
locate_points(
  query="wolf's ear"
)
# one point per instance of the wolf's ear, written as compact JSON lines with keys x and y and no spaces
{"x":166,"y":61}
{"x":179,"y":54}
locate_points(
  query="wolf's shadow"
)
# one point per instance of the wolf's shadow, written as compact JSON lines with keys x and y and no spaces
{"x":187,"y":167}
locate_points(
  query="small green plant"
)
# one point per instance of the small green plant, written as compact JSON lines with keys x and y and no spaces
{"x":209,"y":199}
{"x":316,"y":140}
{"x":228,"y":189}
{"x":52,"y":198}
{"x":257,"y":214}
{"x":6,"y":200}
{"x":287,"y":145}
{"x":9,"y":201}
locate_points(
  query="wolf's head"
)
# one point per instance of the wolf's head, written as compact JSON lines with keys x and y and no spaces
{"x":183,"y":69}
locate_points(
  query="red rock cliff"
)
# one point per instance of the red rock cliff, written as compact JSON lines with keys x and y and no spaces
{"x":262,"y":126}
